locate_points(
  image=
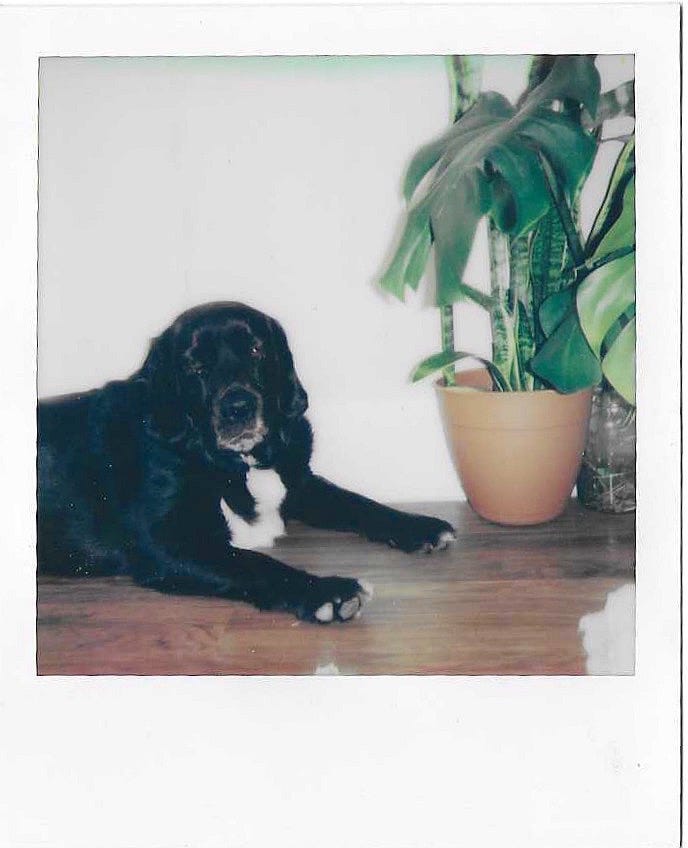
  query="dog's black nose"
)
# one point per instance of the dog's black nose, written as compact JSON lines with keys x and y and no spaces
{"x":238,"y":405}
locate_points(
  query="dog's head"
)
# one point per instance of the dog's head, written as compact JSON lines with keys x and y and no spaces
{"x":223,"y":374}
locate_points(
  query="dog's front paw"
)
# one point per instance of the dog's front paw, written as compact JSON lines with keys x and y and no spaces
{"x":334,"y":599}
{"x":421,"y":533}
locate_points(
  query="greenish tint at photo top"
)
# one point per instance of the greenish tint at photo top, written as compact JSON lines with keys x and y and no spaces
{"x":511,"y":64}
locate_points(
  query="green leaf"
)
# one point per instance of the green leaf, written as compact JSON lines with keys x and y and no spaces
{"x":504,"y":344}
{"x":569,"y":150}
{"x":565,"y":361}
{"x":441,"y":360}
{"x":603,"y":297}
{"x":405,"y":267}
{"x":554,"y":310}
{"x":612,"y":205}
{"x":485,"y":164}
{"x":619,"y":363}
{"x":520,"y":195}
{"x":526,"y":345}
{"x":550,"y":266}
{"x":488,"y":111}
{"x":621,"y":232}
{"x":454,"y":218}
{"x":418,"y":259}
{"x":571,"y":78}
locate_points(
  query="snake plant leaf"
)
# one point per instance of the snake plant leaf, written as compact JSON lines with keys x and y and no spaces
{"x":571,"y":78}
{"x":565,"y":361}
{"x":438,"y":361}
{"x":618,"y":365}
{"x":613,"y":204}
{"x":616,"y":103}
{"x":550,"y":262}
{"x":465,"y":77}
{"x":526,"y":345}
{"x":603,"y":297}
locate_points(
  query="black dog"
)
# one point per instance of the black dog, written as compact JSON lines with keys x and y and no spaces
{"x":155,"y":475}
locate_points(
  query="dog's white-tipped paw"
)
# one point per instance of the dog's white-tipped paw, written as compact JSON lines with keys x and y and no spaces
{"x":337,"y":599}
{"x":443,"y":541}
{"x":325,"y":613}
{"x":349,"y":608}
{"x":446,"y":539}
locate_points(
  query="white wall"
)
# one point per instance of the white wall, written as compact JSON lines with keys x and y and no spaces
{"x":169,"y":182}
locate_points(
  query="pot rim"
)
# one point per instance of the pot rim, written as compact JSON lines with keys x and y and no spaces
{"x":520,"y":393}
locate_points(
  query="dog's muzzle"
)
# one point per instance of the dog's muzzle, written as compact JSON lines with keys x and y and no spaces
{"x":237,"y":419}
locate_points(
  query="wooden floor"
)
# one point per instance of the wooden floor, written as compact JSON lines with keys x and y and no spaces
{"x":500,"y":601}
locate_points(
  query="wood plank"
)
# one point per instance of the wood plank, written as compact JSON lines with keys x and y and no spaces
{"x":501,"y":601}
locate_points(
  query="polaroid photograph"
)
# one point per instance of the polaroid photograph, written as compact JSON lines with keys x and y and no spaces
{"x":347,"y":391}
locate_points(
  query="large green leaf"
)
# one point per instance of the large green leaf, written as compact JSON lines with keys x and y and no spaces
{"x":519,"y":190}
{"x":619,"y":363}
{"x":408,"y":263}
{"x":603,"y":297}
{"x":487,"y":163}
{"x":621,"y":232}
{"x":554,"y":310}
{"x":569,"y":150}
{"x":565,"y":361}
{"x":571,"y":78}
{"x":438,"y":361}
{"x":453,"y":220}
{"x":613,"y":204}
{"x":490,"y":109}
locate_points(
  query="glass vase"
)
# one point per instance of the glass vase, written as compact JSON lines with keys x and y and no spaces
{"x":606,"y":481}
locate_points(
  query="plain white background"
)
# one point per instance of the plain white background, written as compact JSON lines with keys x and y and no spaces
{"x":165,"y":183}
{"x":398,"y":762}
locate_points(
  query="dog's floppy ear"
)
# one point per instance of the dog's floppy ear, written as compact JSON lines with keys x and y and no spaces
{"x":292,"y":399}
{"x":160,"y":372}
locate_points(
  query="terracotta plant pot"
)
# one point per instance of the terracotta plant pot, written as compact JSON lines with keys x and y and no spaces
{"x":517,"y":454}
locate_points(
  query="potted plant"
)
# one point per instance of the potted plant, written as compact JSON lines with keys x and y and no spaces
{"x":517,"y":426}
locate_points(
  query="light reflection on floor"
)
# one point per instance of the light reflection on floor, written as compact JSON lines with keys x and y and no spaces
{"x":609,"y":635}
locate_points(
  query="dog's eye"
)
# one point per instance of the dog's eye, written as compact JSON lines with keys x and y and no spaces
{"x":257,"y":351}
{"x":196,"y":368}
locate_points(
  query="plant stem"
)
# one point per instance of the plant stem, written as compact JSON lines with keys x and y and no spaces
{"x":447,"y":330}
{"x":593,"y":264}
{"x":465,"y":77}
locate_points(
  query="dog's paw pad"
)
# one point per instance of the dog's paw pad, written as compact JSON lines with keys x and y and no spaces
{"x":337,"y":599}
{"x":349,"y":608}
{"x":445,"y":540}
{"x":325,"y":613}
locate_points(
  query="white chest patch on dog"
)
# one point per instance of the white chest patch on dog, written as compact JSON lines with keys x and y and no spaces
{"x":268,"y":491}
